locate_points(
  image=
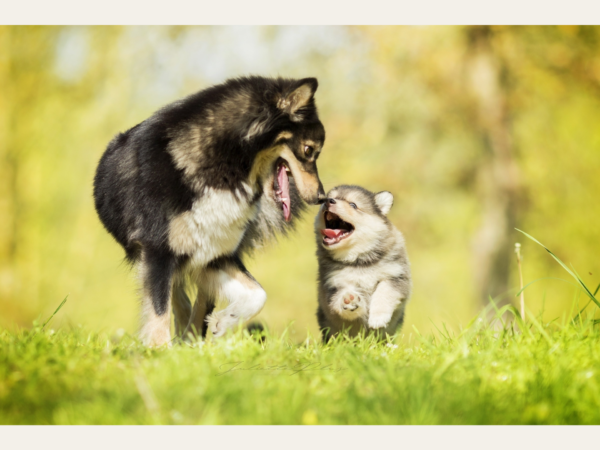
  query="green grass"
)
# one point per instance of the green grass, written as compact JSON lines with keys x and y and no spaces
{"x":506,"y":372}
{"x":518,"y":374}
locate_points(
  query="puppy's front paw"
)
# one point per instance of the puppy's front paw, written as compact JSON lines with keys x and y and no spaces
{"x":349,"y":305}
{"x":218,"y":323}
{"x":350,"y":301}
{"x":379,"y":320}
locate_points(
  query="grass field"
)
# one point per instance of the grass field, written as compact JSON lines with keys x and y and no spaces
{"x":519,"y":374}
{"x":507,"y":371}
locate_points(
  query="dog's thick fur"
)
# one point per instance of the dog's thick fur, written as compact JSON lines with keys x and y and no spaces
{"x":364,"y":272}
{"x":201,"y":182}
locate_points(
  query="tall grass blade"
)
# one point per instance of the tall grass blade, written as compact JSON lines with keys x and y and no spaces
{"x":578,"y":315}
{"x":574,"y":275}
{"x":54,"y":313}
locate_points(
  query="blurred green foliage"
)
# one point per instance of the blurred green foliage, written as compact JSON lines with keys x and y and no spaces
{"x":475,"y":130}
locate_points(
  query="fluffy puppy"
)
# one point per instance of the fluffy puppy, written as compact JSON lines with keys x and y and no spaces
{"x":364,"y":272}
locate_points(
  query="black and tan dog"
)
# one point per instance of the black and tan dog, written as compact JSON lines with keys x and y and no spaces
{"x":201,"y":182}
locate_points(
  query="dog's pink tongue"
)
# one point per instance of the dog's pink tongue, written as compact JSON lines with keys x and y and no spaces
{"x":284,"y":187}
{"x":331,"y":233}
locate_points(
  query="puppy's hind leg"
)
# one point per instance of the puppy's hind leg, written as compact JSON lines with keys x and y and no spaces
{"x":324,"y":325}
{"x":245,"y":295}
{"x":156,"y":270}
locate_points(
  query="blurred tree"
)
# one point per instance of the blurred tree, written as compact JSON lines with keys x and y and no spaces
{"x":42,"y":129}
{"x":5,"y":172}
{"x":499,"y":189}
{"x":26,"y":55}
{"x":474,"y":89}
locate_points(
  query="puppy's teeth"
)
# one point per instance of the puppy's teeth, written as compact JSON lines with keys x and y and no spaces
{"x":283,"y":199}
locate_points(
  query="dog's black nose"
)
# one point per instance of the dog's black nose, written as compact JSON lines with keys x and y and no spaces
{"x":331,"y":200}
{"x":321,"y":197}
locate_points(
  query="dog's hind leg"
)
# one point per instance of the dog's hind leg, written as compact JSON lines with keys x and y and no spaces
{"x":232,"y":282}
{"x":202,"y":308}
{"x":182,"y":308}
{"x":157,"y":269}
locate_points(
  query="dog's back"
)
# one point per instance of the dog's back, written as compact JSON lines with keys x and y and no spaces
{"x":137,"y":188}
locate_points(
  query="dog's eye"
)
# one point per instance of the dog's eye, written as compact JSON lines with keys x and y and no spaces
{"x":353,"y":205}
{"x":308,"y":150}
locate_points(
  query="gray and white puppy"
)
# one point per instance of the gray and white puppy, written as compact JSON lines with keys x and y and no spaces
{"x":364,"y":272}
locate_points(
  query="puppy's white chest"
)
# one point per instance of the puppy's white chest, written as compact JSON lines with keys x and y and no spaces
{"x":213,"y":227}
{"x":363,"y":278}
{"x":353,"y":277}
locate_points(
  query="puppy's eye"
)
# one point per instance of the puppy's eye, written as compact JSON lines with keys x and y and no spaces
{"x":353,"y":205}
{"x":308,"y":150}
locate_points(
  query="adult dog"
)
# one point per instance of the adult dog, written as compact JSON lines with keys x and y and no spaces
{"x":205,"y":179}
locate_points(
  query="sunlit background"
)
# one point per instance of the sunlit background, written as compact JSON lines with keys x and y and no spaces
{"x":475,"y":130}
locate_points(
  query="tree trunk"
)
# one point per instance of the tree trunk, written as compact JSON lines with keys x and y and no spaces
{"x":498,"y":186}
{"x":7,"y":175}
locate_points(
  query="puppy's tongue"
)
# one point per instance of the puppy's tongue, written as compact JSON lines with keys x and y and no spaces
{"x":331,"y":233}
{"x":284,"y":192}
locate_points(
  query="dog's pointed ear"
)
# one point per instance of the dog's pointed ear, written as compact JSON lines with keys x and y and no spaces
{"x":300,"y":96}
{"x":384,"y":201}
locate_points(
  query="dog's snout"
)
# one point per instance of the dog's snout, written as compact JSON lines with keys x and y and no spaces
{"x":321,"y":197}
{"x":331,"y":201}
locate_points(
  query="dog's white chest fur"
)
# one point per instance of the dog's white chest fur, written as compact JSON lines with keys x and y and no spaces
{"x":213,"y":227}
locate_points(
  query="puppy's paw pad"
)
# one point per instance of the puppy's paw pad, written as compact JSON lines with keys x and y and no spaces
{"x":350,"y":301}
{"x":348,"y":298}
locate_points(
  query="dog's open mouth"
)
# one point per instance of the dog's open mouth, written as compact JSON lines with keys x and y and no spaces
{"x":281,"y":186}
{"x":335,"y":229}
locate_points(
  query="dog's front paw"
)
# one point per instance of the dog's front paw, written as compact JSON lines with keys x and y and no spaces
{"x":379,"y":320}
{"x":218,"y":323}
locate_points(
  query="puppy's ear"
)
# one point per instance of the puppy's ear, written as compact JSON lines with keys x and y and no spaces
{"x":300,"y":96}
{"x":384,"y":201}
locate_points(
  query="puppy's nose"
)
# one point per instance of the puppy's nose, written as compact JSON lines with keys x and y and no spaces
{"x":331,"y":201}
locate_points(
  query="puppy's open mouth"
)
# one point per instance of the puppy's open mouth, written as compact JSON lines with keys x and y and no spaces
{"x":281,"y":187}
{"x":335,"y":229}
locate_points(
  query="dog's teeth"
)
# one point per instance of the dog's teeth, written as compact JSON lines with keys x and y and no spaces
{"x":283,"y":199}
